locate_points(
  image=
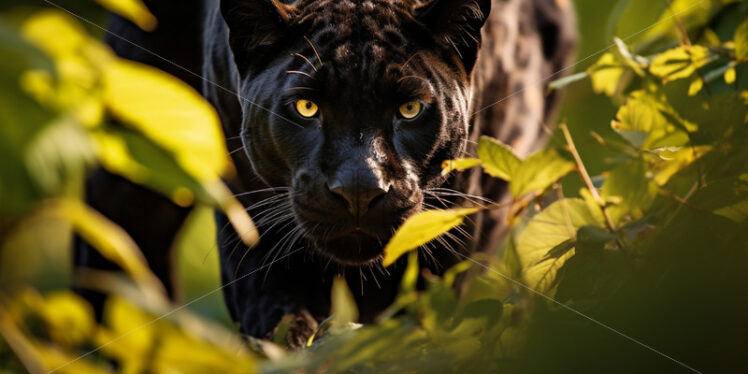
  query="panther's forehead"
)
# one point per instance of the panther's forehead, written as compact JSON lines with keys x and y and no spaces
{"x":361,"y":41}
{"x":342,"y":13}
{"x":347,"y":31}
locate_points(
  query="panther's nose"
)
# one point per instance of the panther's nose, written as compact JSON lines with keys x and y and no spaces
{"x":359,"y":196}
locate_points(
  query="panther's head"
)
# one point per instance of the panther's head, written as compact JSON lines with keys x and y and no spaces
{"x":354,"y":105}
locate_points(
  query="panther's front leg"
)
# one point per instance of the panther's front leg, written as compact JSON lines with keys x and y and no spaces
{"x":260,"y":288}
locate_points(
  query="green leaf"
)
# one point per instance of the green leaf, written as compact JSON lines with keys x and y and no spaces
{"x":680,"y":62}
{"x":696,"y":85}
{"x":421,"y":229}
{"x":670,"y":162}
{"x":23,"y":120}
{"x":741,"y":41}
{"x":170,"y":113}
{"x":662,"y":33}
{"x":548,"y":240}
{"x":109,"y":239}
{"x":459,"y":164}
{"x":629,"y":184}
{"x":591,"y":275}
{"x":644,"y":123}
{"x":725,"y":197}
{"x":538,"y":172}
{"x":498,"y":159}
{"x":138,"y":159}
{"x":730,"y":76}
{"x":565,"y":81}
{"x":134,"y":10}
{"x":342,"y":305}
{"x":606,"y":74}
{"x":129,"y":154}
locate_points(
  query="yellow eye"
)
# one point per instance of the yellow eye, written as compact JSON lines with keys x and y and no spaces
{"x":410,"y":109}
{"x":306,"y":108}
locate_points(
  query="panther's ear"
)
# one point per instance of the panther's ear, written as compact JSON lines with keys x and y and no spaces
{"x":456,"y":24}
{"x":254,"y":24}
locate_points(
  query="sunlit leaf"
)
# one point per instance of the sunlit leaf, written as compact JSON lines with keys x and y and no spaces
{"x":680,"y":62}
{"x":129,"y":336}
{"x":459,"y":164}
{"x":606,"y":74}
{"x":671,"y":162}
{"x":342,"y":305}
{"x":79,"y":60}
{"x":177,"y":119}
{"x":696,"y":86}
{"x":134,"y":10}
{"x":538,"y":172}
{"x":643,"y":122}
{"x":565,"y":81}
{"x":547,"y":241}
{"x":629,"y":183}
{"x":498,"y":159}
{"x":23,"y":119}
{"x":70,"y":318}
{"x":109,"y":239}
{"x":741,"y":41}
{"x":730,"y":76}
{"x":180,"y":352}
{"x":169,"y":112}
{"x":38,"y":357}
{"x":138,"y":159}
{"x":651,"y":34}
{"x":421,"y":229}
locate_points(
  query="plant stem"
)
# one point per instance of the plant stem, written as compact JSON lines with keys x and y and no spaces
{"x":586,"y":178}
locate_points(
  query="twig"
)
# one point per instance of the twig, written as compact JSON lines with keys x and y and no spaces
{"x":588,"y":181}
{"x":679,"y":25}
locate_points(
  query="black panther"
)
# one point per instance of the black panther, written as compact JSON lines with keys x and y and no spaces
{"x":339,"y":114}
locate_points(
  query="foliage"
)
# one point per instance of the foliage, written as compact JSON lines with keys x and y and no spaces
{"x":635,"y":263}
{"x":68,"y":105}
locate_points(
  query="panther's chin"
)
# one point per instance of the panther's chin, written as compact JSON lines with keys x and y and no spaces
{"x":354,"y":249}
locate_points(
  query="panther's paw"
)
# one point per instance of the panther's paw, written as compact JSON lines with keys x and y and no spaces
{"x":299,"y":327}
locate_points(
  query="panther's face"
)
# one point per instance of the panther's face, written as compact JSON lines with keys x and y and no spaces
{"x":354,"y":105}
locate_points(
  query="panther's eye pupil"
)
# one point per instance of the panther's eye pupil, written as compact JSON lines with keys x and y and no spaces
{"x":306,"y":108}
{"x":410,"y":109}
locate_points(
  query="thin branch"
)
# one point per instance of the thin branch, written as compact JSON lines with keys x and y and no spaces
{"x":587,"y":180}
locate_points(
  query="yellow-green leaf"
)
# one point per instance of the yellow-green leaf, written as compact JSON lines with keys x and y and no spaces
{"x":170,"y":113}
{"x":628,"y":182}
{"x":741,"y":41}
{"x":642,"y":121}
{"x":538,"y":172}
{"x":459,"y":164}
{"x":421,"y":229}
{"x":107,"y":237}
{"x":134,"y":10}
{"x":670,"y":162}
{"x":136,"y":158}
{"x":548,"y":240}
{"x":606,"y":74}
{"x":695,"y":87}
{"x":342,"y":305}
{"x":70,"y":318}
{"x":130,"y":334}
{"x":680,"y":62}
{"x":497,"y":158}
{"x":730,"y":76}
